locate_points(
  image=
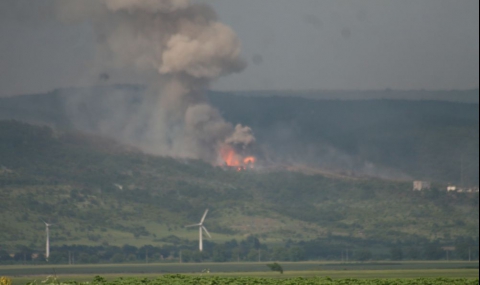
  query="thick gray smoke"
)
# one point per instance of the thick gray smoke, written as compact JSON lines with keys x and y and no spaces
{"x":179,"y":47}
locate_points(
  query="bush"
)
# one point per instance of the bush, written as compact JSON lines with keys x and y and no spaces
{"x":276,"y":267}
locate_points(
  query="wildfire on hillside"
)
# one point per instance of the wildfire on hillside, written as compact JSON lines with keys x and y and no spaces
{"x":233,"y":159}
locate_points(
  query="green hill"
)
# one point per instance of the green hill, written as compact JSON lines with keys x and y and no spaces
{"x":392,"y":139}
{"x":421,"y":140}
{"x":99,"y":192}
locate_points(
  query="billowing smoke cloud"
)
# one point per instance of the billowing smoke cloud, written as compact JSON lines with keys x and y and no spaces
{"x":242,"y":136}
{"x":179,"y":47}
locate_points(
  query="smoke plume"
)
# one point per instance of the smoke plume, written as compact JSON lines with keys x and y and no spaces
{"x":179,"y":47}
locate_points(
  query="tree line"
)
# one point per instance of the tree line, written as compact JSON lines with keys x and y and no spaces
{"x":248,"y":250}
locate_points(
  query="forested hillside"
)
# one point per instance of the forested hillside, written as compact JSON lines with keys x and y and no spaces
{"x":99,"y":192}
{"x":393,"y":139}
{"x":428,"y":140}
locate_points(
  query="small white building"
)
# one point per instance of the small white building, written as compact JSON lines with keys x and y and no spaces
{"x":452,"y":188}
{"x":421,"y":185}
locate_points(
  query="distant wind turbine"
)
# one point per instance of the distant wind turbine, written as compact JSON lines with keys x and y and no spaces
{"x":201,"y":228}
{"x":47,"y":245}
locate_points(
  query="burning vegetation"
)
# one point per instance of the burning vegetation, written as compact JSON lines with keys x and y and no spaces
{"x":233,"y":158}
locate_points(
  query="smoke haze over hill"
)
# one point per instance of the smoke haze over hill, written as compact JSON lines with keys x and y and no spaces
{"x":178,"y":48}
{"x":381,"y":138}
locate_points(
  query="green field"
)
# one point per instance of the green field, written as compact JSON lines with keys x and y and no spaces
{"x":429,"y":277}
{"x":380,"y":270}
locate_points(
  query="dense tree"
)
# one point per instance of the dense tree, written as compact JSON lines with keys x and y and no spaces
{"x":434,"y":252}
{"x":396,"y":253}
{"x":466,"y":249}
{"x":276,"y":267}
{"x":118,"y":258}
{"x":363,"y":255}
{"x":220,"y":254}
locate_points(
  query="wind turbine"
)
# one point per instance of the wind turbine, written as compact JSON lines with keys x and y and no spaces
{"x":201,"y":228}
{"x":47,"y":245}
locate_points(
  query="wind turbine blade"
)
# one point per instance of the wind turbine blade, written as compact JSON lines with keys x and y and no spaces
{"x":191,"y":226}
{"x":204,"y":217}
{"x":208,"y":234}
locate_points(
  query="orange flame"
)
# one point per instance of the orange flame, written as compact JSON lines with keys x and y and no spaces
{"x":250,"y":160}
{"x":233,"y":159}
{"x":230,"y":157}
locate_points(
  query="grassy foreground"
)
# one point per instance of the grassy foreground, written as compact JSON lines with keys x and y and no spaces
{"x":217,"y":280}
{"x":22,"y":275}
{"x":464,"y":274}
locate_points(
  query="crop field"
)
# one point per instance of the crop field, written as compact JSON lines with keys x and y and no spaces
{"x":216,"y":280}
{"x":316,"y":272}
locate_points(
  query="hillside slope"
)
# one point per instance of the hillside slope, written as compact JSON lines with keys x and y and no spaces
{"x":97,"y":191}
{"x":395,"y":139}
{"x":425,"y":140}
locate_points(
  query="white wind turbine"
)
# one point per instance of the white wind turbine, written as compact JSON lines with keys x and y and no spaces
{"x":201,"y":229}
{"x":47,"y":245}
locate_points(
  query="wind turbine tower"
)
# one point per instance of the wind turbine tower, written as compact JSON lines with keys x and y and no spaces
{"x":201,"y":229}
{"x":47,"y":245}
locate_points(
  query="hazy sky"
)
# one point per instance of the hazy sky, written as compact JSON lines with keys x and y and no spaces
{"x":290,"y":44}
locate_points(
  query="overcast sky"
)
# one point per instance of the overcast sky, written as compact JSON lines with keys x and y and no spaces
{"x":290,"y":44}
